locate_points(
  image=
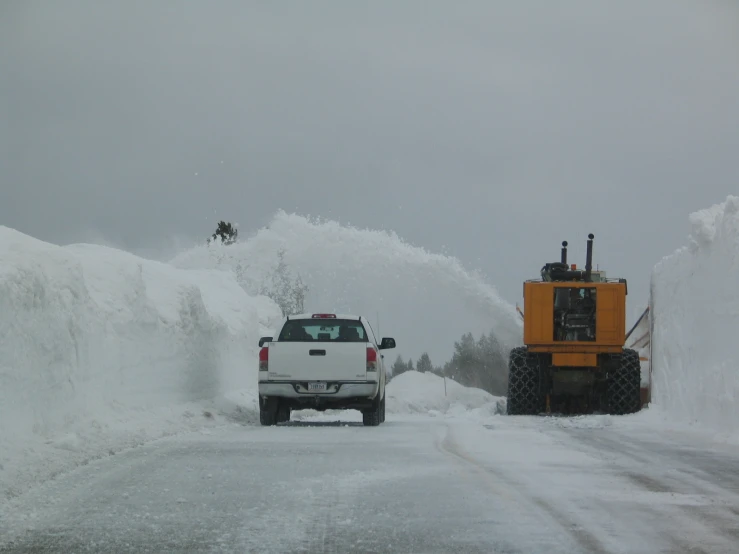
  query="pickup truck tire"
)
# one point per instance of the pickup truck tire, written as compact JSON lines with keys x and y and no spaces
{"x":373,"y":416}
{"x":382,"y":409}
{"x":283,"y":413}
{"x":268,"y":411}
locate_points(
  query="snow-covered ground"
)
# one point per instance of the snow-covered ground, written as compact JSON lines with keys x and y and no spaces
{"x":416,"y":484}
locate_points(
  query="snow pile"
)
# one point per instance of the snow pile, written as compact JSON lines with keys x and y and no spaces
{"x":695,"y":311}
{"x":425,"y":300}
{"x":415,"y":393}
{"x":424,"y":393}
{"x":101,"y":350}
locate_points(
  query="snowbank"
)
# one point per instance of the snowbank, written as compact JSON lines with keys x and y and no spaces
{"x":427,"y":301}
{"x":413,"y":393}
{"x":101,"y":350}
{"x":424,"y":393}
{"x":695,"y":312}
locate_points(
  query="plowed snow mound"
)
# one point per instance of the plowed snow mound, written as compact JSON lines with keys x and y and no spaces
{"x":423,"y":393}
{"x":695,"y":308}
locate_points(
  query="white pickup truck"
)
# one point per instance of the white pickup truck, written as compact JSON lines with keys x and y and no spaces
{"x":322,"y":361}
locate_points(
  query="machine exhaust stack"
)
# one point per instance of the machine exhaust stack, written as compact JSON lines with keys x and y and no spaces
{"x":589,"y":260}
{"x":564,"y":252}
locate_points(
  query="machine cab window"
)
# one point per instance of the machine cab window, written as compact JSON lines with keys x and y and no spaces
{"x":574,"y":313}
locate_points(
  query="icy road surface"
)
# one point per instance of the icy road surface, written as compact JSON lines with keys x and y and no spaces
{"x":414,"y":484}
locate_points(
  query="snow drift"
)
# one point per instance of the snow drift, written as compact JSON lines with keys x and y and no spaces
{"x":427,"y":301}
{"x":413,"y":392}
{"x":100,"y":349}
{"x":695,"y":318}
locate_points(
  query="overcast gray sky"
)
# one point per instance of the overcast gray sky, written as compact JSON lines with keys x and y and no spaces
{"x":490,"y":130}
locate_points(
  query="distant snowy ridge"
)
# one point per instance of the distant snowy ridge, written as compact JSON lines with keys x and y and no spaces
{"x":100,"y":349}
{"x":695,"y":310}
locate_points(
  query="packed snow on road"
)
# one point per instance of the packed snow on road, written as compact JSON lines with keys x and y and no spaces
{"x":129,"y":415}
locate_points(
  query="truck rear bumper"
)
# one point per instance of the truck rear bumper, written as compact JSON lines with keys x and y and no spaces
{"x":296,"y":389}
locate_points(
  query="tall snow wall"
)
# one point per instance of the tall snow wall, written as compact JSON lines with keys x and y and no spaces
{"x":695,"y":318}
{"x":99,"y":348}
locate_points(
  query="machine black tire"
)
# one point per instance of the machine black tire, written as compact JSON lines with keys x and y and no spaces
{"x":268,"y":411}
{"x":382,"y":409}
{"x":623,"y":394}
{"x":524,"y":395}
{"x":373,"y":416}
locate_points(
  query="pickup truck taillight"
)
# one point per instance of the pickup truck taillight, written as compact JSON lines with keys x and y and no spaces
{"x":264,"y":359}
{"x":371,"y":359}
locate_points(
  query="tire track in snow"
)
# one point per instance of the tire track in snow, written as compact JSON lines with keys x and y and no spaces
{"x":323,"y":525}
{"x":700,"y":488}
{"x":501,"y":484}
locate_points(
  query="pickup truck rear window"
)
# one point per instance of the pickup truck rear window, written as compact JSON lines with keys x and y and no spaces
{"x":321,"y":330}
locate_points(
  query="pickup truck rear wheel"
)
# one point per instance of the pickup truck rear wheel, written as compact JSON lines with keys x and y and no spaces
{"x":372,"y":417}
{"x":382,"y":409}
{"x":268,"y":411}
{"x":283,"y":413}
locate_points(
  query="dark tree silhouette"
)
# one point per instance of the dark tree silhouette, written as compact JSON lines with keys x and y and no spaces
{"x":226,"y":232}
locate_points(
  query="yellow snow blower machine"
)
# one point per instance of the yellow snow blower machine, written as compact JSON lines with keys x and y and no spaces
{"x":574,"y":360}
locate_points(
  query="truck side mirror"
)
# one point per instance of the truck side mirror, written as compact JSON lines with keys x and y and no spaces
{"x":263,"y":340}
{"x":387,"y":343}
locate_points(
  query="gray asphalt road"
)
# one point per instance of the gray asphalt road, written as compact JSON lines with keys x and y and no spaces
{"x":411,"y":485}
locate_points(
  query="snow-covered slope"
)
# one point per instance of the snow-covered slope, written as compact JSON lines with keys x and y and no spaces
{"x":427,"y":301}
{"x":100,"y":349}
{"x":695,"y":309}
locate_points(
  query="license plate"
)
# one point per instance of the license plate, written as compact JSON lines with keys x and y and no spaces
{"x":316,"y":387}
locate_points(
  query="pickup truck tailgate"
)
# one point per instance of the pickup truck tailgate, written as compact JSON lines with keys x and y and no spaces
{"x":318,"y":361}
